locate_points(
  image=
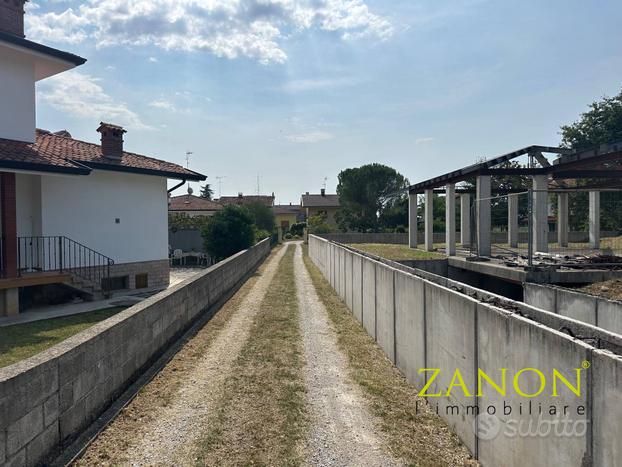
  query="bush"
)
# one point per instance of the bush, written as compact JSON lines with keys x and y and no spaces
{"x":288,"y":236}
{"x":318,"y":224}
{"x":400,"y":229}
{"x":260,"y":234}
{"x":262,"y":216}
{"x":228,"y":232}
{"x":298,"y":228}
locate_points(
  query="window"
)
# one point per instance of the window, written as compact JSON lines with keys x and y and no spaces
{"x":142,"y":281}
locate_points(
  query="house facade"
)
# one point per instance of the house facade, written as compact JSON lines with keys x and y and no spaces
{"x":89,"y":215}
{"x":286,"y":215}
{"x":322,"y":203}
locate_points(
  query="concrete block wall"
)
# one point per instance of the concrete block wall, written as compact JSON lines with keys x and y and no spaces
{"x":598,"y":311}
{"x":47,"y":400}
{"x":434,"y":322}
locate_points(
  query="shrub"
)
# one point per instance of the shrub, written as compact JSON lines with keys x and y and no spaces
{"x":260,"y":234}
{"x":288,"y":236}
{"x":228,"y":231}
{"x":400,"y":229}
{"x":298,"y":228}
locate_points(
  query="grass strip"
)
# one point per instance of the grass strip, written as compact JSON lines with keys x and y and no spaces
{"x":261,"y":419}
{"x":395,"y":252}
{"x":20,"y":341}
{"x":413,"y":432}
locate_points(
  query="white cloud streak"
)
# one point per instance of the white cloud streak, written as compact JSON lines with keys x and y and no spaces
{"x":226,"y":28}
{"x":82,"y":96}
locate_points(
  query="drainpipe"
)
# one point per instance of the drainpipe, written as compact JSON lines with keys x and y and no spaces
{"x":177,"y":186}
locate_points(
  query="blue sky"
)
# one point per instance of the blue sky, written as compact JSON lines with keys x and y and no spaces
{"x":295,"y":91}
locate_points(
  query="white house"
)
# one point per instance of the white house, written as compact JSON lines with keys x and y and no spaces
{"x":90,"y":215}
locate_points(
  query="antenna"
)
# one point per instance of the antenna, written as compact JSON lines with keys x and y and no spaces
{"x":258,"y":190}
{"x":324,"y":184}
{"x":188,"y":154}
{"x":219,"y":178}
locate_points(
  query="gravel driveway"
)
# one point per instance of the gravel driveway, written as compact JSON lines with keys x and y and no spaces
{"x":342,"y":430}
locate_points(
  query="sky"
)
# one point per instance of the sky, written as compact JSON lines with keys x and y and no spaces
{"x":282,"y":95}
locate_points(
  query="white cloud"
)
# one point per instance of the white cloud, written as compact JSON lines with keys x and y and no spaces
{"x":153,"y":60}
{"x":82,"y":96}
{"x":162,"y":104}
{"x":226,"y":28}
{"x":309,"y":137}
{"x":424,"y":140}
{"x":302,"y":85}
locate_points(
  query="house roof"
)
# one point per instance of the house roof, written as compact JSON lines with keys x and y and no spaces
{"x":193,"y":203}
{"x":62,"y":154}
{"x":287,"y":209}
{"x":247,"y":199}
{"x":326,"y":201}
{"x":40,"y":48}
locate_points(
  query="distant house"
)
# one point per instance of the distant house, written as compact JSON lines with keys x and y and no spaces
{"x":287,"y":214}
{"x":243,"y":200}
{"x":91,"y":216}
{"x":314,"y":204}
{"x":192,"y":206}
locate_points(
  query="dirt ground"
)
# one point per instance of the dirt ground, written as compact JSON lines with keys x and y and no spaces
{"x":611,"y":289}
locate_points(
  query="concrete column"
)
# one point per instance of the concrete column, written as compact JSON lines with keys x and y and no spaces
{"x":540,"y":219}
{"x":412,"y":220}
{"x":450,"y":219}
{"x":513,"y":220}
{"x":594,"y":220}
{"x":562,"y":219}
{"x":465,"y":219}
{"x":428,"y":223}
{"x":482,"y":203}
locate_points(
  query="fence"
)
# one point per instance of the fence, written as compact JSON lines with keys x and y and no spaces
{"x":422,"y":321}
{"x":46,"y":401}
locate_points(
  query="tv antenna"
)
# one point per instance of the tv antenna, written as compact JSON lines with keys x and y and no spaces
{"x":188,"y":154}
{"x":220,"y":178}
{"x":258,"y":190}
{"x":324,"y":184}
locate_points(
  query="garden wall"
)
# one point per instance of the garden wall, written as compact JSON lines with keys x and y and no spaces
{"x":426,"y":321}
{"x":599,"y":311}
{"x":47,"y":400}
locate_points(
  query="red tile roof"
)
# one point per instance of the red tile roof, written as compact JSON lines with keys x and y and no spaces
{"x":56,"y":153}
{"x":193,"y":203}
{"x":247,"y":199}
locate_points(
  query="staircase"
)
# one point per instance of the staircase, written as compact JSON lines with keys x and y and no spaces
{"x":88,"y":269}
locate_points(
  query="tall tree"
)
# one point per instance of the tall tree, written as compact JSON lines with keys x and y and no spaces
{"x":262,"y":215}
{"x":602,"y":123}
{"x":366,"y":193}
{"x":206,"y":191}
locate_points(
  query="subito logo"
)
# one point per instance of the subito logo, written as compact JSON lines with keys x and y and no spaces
{"x":486,"y":426}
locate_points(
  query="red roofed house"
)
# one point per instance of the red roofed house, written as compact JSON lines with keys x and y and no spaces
{"x":93,"y":216}
{"x":192,"y":206}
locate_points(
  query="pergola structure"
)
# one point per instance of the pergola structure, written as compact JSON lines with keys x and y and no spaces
{"x":603,"y":162}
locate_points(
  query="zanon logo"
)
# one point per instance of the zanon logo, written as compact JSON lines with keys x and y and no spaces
{"x":499,"y":384}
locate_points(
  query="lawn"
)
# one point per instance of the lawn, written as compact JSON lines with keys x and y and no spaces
{"x":21,"y":341}
{"x":395,"y":252}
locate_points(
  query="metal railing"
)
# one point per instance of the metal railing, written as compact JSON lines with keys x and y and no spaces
{"x":63,"y":255}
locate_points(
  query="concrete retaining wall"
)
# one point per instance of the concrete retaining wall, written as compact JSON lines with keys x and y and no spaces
{"x":48,"y":399}
{"x":606,"y":314}
{"x":426,"y":321}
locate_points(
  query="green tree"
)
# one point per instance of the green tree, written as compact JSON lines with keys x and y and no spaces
{"x":206,"y":191}
{"x":262,"y":215}
{"x":228,"y":231}
{"x":366,"y":193}
{"x":602,"y":123}
{"x":317,"y":224}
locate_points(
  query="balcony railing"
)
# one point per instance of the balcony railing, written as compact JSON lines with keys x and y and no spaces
{"x":63,"y":255}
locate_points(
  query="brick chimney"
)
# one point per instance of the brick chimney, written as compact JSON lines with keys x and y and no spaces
{"x":112,"y":139}
{"x":12,"y":17}
{"x":323,"y":191}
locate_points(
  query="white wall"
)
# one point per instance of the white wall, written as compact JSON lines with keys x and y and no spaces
{"x":28,"y":205}
{"x":84,"y":208}
{"x":17,"y":96}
